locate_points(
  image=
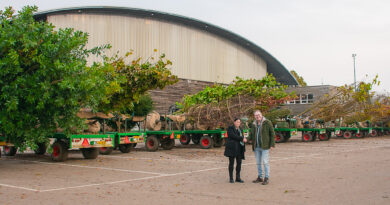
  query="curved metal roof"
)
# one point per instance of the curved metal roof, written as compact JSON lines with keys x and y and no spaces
{"x":273,"y":65}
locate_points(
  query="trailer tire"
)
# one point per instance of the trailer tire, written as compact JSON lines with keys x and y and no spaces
{"x":151,"y":143}
{"x":41,"y":150}
{"x":60,"y":151}
{"x":9,"y":150}
{"x":105,"y":150}
{"x":168,"y":144}
{"x":347,"y":135}
{"x":125,"y":148}
{"x":373,"y":133}
{"x":286,"y":139}
{"x":90,"y":153}
{"x":323,"y":137}
{"x":196,"y":138}
{"x":218,"y":141}
{"x":341,"y":133}
{"x":133,"y":145}
{"x":279,"y":137}
{"x":314,"y":134}
{"x":206,"y":142}
{"x":185,"y":139}
{"x":307,"y":137}
{"x":359,"y":135}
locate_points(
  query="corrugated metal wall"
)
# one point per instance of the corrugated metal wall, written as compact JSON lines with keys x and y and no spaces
{"x":196,"y":55}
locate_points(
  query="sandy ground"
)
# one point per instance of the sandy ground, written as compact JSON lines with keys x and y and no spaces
{"x":339,"y":171}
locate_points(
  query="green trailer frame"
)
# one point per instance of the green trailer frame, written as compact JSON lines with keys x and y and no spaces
{"x":311,"y":134}
{"x":165,"y":138}
{"x":284,"y":134}
{"x":87,"y":143}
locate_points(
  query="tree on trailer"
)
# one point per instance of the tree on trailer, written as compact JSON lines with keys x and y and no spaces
{"x":45,"y":79}
{"x":217,"y":106}
{"x":351,"y":107}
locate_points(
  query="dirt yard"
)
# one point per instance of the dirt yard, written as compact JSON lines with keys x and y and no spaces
{"x":339,"y":171}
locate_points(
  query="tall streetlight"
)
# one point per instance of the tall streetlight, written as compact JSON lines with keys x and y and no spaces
{"x":354,"y":71}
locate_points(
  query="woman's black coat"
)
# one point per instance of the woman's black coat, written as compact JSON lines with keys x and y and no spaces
{"x":233,"y":147}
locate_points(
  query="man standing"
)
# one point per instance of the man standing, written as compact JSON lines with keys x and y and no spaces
{"x":262,"y":135}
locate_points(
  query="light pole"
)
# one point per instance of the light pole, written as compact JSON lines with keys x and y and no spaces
{"x":354,"y":71}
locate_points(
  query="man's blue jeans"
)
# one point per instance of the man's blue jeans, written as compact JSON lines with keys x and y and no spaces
{"x":262,"y":157}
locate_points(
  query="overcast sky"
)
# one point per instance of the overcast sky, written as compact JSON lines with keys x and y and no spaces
{"x":314,"y":37}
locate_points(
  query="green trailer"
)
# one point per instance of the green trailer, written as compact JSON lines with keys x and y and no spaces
{"x":89,"y":145}
{"x":285,"y":129}
{"x":311,"y":134}
{"x":284,"y":134}
{"x":124,"y":141}
{"x":165,"y":138}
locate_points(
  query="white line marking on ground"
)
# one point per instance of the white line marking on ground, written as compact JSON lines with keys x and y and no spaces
{"x":99,"y":184}
{"x":162,"y":159}
{"x":91,"y":167}
{"x":18,"y":187}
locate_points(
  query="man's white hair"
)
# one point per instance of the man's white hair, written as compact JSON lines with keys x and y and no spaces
{"x":257,"y":111}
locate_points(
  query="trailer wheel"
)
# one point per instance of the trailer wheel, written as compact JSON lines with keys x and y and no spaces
{"x":279,"y":137}
{"x":125,"y":148}
{"x":324,"y":137}
{"x":105,"y":150}
{"x":374,"y":133}
{"x":347,"y":135}
{"x":185,"y":139}
{"x":60,"y":151}
{"x":151,"y":143}
{"x":206,"y":142}
{"x":341,"y":133}
{"x":41,"y":149}
{"x":307,"y":137}
{"x":168,"y":144}
{"x":90,"y":153}
{"x":9,"y":151}
{"x":286,"y":139}
{"x":359,"y":135}
{"x":196,"y":138}
{"x":218,"y":141}
{"x":314,"y":134}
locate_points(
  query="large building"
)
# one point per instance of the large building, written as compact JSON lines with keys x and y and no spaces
{"x":306,"y":96}
{"x":202,"y":54}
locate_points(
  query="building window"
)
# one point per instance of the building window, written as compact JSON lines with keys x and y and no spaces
{"x":303,"y":99}
{"x":310,"y":99}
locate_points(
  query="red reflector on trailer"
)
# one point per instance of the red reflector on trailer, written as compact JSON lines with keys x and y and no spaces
{"x":172,"y":136}
{"x":127,"y":141}
{"x":85,"y":143}
{"x":225,"y":135}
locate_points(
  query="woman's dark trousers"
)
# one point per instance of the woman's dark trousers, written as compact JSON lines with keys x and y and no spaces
{"x":238,"y":167}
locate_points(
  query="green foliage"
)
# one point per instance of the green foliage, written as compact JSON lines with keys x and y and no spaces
{"x":267,"y":91}
{"x":351,"y":105}
{"x":276,"y":114}
{"x":131,"y":81}
{"x":44,"y":78}
{"x":144,"y":106}
{"x":300,"y":79}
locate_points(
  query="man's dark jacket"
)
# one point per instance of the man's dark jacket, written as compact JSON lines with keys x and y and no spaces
{"x":267,"y":134}
{"x":233,"y":148}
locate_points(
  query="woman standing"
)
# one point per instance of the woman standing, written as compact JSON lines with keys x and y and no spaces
{"x":235,"y":149}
